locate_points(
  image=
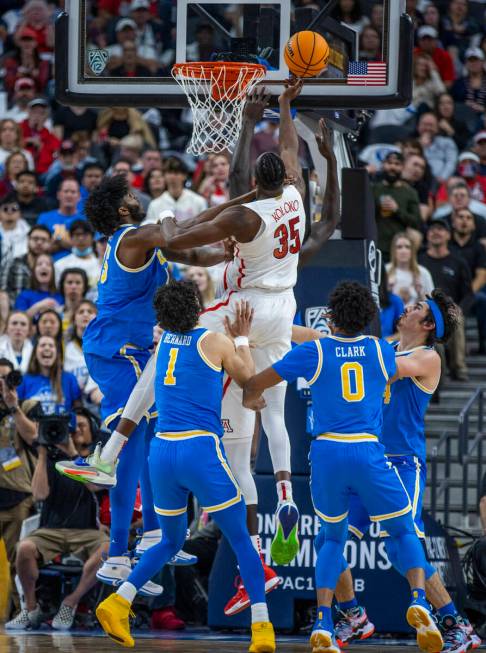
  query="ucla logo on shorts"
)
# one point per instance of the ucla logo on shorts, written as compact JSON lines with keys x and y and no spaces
{"x":316,"y":318}
{"x":97,"y":60}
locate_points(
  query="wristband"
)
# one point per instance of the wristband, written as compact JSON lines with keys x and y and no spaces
{"x":242,"y":341}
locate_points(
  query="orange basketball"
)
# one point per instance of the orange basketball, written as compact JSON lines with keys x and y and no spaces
{"x":306,"y":54}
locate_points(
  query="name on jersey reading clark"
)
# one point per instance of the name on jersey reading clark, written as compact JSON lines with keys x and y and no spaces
{"x":288,"y":207}
{"x":350,"y":351}
{"x":174,"y":339}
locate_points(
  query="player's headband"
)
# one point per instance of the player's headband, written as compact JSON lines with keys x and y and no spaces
{"x":438,"y":319}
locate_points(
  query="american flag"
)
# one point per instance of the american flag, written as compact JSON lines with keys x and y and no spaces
{"x":363,"y":73}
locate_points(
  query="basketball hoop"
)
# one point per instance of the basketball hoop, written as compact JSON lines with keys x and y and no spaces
{"x":216,"y":91}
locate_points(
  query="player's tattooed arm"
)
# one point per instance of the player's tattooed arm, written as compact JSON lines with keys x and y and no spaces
{"x":302,"y":334}
{"x":322,"y":230}
{"x":288,"y":138}
{"x":254,"y":387}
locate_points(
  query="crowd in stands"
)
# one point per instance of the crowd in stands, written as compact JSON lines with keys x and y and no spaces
{"x":427,"y":165}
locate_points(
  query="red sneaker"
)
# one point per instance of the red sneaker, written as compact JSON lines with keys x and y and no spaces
{"x":241,"y":600}
{"x":166,"y":619}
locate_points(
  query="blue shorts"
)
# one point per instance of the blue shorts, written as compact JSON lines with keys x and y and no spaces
{"x":116,"y":377}
{"x":182,"y":463}
{"x":340,"y":470}
{"x":413,"y":475}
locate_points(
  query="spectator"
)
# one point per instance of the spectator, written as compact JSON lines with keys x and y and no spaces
{"x":59,"y":220}
{"x":149,"y":33}
{"x":151,"y":160}
{"x":203,"y":281}
{"x":27,"y":195}
{"x":64,"y":167}
{"x":351,"y":14}
{"x":91,"y":177}
{"x":432,"y":17}
{"x":414,"y":170}
{"x":183,"y":202}
{"x":24,"y":93}
{"x":154,"y":184}
{"x":370,"y":44}
{"x":376,"y":17}
{"x":480,"y":148}
{"x":428,"y":46}
{"x":73,"y":286}
{"x":406,"y":278}
{"x":427,"y":83}
{"x":68,"y":120}
{"x":123,"y":167}
{"x":130,"y":66}
{"x":36,"y":16}
{"x":117,"y":122}
{"x":460,"y":198}
{"x":73,"y":352}
{"x":458,"y":27}
{"x":450,"y":273}
{"x":449,"y":124}
{"x":49,"y":323}
{"x":11,"y":141}
{"x":68,"y":525}
{"x":440,"y":151}
{"x":215,"y":187}
{"x":43,"y":292}
{"x":13,"y":234}
{"x":17,"y":434}
{"x":41,"y":143}
{"x":14,"y":165}
{"x":204,"y":46}
{"x":20,"y":272}
{"x":471,"y":89}
{"x":130,"y":149}
{"x":82,"y":255}
{"x":465,"y":245}
{"x":86,"y":433}
{"x":126,"y":32}
{"x":468,"y":169}
{"x":25,"y":61}
{"x":396,"y":204}
{"x":414,"y":13}
{"x":15,"y":344}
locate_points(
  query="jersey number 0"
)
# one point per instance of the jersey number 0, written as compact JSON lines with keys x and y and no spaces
{"x":352,"y":391}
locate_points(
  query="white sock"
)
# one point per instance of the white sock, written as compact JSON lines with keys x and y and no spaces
{"x":284,"y":491}
{"x":112,"y":448}
{"x":259,"y":611}
{"x":128,"y":591}
{"x":255,"y":540}
{"x":155,"y":533}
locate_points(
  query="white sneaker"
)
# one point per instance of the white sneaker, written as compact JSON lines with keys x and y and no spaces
{"x":25,"y":619}
{"x":116,"y":569}
{"x":183,"y":559}
{"x":148,"y":540}
{"x":64,"y":618}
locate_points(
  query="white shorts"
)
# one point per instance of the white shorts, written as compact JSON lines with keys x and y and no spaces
{"x":270,"y":338}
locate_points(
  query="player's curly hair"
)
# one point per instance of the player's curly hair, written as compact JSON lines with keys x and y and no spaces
{"x":450,"y":314}
{"x":352,"y":307}
{"x":177,"y":306}
{"x":269,"y":171}
{"x":103,"y":203}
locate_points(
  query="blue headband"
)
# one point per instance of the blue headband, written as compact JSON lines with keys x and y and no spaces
{"x":438,"y":319}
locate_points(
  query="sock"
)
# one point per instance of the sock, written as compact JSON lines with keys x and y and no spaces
{"x":324,"y":614}
{"x":348,"y":605}
{"x":118,"y":560}
{"x":259,"y":612}
{"x":284,"y":491}
{"x":112,"y":448}
{"x":153,"y":534}
{"x":446,"y":610}
{"x":255,"y":540}
{"x":128,"y":591}
{"x":418,"y":594}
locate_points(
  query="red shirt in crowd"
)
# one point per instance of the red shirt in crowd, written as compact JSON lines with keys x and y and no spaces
{"x":443,"y":61}
{"x":43,"y":155}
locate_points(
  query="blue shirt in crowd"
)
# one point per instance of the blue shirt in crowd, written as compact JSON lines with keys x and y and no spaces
{"x":36,"y":386}
{"x":52,"y":220}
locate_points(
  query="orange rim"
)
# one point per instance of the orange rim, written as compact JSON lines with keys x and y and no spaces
{"x":208,"y":69}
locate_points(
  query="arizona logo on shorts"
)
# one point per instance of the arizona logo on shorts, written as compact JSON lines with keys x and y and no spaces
{"x":225,"y":423}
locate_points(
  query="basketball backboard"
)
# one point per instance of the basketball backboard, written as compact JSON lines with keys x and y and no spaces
{"x":94,"y":51}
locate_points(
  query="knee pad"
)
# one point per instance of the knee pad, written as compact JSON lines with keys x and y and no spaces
{"x":238,"y":453}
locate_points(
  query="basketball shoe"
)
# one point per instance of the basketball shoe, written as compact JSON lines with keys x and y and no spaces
{"x":322,"y":639}
{"x":262,"y":638}
{"x":241,"y":600}
{"x":285,"y":544}
{"x":475,"y":639}
{"x":150,"y":538}
{"x":352,"y":624}
{"x":116,"y":569}
{"x":458,"y":638}
{"x":90,"y":469}
{"x":420,"y":618}
{"x":113,"y":614}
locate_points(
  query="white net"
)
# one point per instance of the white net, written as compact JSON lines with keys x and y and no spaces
{"x":216,"y":92}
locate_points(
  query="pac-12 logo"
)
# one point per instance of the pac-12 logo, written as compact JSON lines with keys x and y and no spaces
{"x":315,"y":318}
{"x":97,"y":60}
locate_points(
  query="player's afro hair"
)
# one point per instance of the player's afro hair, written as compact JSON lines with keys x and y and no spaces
{"x":450,"y":314}
{"x":177,"y":306}
{"x":269,"y":171}
{"x":103,"y":203}
{"x":352,"y":307}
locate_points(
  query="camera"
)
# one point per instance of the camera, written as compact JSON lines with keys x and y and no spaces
{"x":12,"y":380}
{"x":53,"y":429}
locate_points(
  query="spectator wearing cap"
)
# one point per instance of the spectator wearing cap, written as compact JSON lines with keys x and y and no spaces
{"x":480,"y":149}
{"x":459,"y":198}
{"x":124,"y":167}
{"x":40,"y":142}
{"x":428,"y":46}
{"x":468,"y":169}
{"x":36,"y":16}
{"x":458,"y":27}
{"x":440,"y":151}
{"x":465,"y":244}
{"x":24,"y":92}
{"x":25,"y":61}
{"x":59,"y":220}
{"x":63,"y":167}
{"x":396,"y":204}
{"x":451,"y":273}
{"x":126,"y":31}
{"x":184,"y":203}
{"x":82,"y":255}
{"x":471,"y":88}
{"x":21,"y":271}
{"x":27,"y":195}
{"x":11,"y":140}
{"x":151,"y":36}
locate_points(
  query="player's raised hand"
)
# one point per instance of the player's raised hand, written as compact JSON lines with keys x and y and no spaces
{"x":229,"y":248}
{"x":256,"y":103}
{"x":293,"y":87}
{"x":241,"y":325}
{"x":324,"y":140}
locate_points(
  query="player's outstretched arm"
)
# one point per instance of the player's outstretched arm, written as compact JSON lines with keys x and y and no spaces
{"x":254,"y":386}
{"x":210,"y":214}
{"x":424,"y":365}
{"x":321,"y":231}
{"x":302,"y":334}
{"x":288,"y":138}
{"x":240,"y":170}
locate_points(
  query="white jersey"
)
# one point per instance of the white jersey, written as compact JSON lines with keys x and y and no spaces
{"x":270,"y":260}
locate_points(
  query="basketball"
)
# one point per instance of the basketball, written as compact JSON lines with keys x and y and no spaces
{"x":306,"y":54}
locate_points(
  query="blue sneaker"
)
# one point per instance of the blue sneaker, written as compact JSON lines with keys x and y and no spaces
{"x":322,"y":639}
{"x":285,"y":544}
{"x":183,"y":559}
{"x":419,"y":617}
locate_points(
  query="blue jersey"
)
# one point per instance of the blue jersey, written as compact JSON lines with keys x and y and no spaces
{"x":188,"y":387}
{"x":125,"y":302}
{"x":405,"y":405}
{"x":348,"y":377}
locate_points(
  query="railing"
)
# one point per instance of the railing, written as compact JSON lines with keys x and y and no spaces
{"x":477,"y":396}
{"x":444,"y":487}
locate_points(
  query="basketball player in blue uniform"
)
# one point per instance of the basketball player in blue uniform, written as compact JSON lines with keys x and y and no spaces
{"x":348,"y":373}
{"x":117,"y":343}
{"x":187,"y":454}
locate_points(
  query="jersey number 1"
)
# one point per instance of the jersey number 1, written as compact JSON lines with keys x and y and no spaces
{"x":354,"y":370}
{"x":282,"y":233}
{"x":169,"y":378}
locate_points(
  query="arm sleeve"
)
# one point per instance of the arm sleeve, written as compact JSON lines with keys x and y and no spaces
{"x":388,"y":354}
{"x":304,"y":360}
